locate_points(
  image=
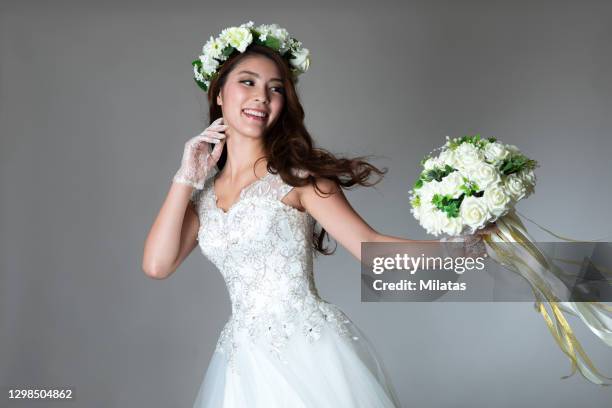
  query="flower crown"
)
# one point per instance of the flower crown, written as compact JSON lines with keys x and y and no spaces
{"x":231,"y":39}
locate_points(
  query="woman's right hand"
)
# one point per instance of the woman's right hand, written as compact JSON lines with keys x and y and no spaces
{"x":197,"y":160}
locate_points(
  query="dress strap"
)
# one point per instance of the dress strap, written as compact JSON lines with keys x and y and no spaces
{"x":279,"y":188}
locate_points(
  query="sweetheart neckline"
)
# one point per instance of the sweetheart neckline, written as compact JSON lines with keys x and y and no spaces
{"x":240,"y":194}
{"x":241,"y":197}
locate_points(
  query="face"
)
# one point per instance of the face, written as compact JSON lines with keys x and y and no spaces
{"x":253,"y":84}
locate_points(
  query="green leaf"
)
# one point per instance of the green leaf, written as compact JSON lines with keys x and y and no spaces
{"x":470,"y":188}
{"x":451,"y":206}
{"x":476,"y":140}
{"x":437,"y":173}
{"x":201,"y":85}
{"x":516,"y":163}
{"x":272,"y":42}
{"x":228,"y":50}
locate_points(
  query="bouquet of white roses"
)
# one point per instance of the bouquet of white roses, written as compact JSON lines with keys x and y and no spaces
{"x":474,"y":182}
{"x":469,"y":184}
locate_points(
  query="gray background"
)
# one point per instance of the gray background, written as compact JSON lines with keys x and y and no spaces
{"x":97,"y":100}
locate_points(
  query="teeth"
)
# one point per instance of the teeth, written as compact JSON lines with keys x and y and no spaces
{"x":255,"y":113}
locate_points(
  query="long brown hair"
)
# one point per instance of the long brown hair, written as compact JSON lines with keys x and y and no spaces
{"x":288,"y":145}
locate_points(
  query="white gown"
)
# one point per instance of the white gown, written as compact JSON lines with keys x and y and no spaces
{"x":283,"y":346}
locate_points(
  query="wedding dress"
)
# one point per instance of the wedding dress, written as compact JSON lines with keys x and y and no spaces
{"x":283,"y":345}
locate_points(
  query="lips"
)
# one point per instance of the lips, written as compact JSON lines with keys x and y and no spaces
{"x":254,"y":117}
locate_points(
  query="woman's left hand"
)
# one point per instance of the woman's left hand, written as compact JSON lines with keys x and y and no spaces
{"x":489,"y":229}
{"x":474,"y":244}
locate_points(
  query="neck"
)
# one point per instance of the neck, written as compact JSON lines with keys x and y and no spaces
{"x":242,"y":153}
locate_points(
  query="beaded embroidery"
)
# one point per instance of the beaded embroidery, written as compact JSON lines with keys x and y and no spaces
{"x":264,"y":251}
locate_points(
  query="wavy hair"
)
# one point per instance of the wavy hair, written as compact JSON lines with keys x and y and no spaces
{"x":288,"y":145}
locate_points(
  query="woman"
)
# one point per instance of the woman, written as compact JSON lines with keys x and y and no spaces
{"x":283,"y":345}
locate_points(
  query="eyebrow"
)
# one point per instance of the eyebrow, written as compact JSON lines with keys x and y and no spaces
{"x":256,"y":75}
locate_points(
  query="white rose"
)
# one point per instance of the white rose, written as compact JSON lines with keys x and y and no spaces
{"x":512,"y":148}
{"x":467,"y":156}
{"x":474,"y":212}
{"x":415,"y":208}
{"x":301,"y":59}
{"x":431,"y":163}
{"x":495,"y":152}
{"x":496,"y":199}
{"x":528,"y":176}
{"x":529,"y":180}
{"x":416,"y":212}
{"x":426,"y":212}
{"x":433,"y":220}
{"x":453,"y":226}
{"x":237,"y":37}
{"x":515,"y":187}
{"x":485,"y":175}
{"x":451,"y":184}
{"x":423,"y":211}
{"x":428,"y":190}
{"x":448,"y":157}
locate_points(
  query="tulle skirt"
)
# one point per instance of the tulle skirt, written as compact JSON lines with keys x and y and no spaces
{"x":333,"y":371}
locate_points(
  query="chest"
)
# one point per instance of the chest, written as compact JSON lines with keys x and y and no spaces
{"x":254,"y":225}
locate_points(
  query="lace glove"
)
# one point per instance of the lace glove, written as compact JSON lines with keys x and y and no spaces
{"x":473,"y":245}
{"x":197,"y":159}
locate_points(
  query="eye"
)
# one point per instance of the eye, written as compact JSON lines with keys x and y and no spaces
{"x":279,"y":89}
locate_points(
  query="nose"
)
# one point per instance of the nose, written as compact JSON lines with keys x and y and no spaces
{"x":262,"y":96}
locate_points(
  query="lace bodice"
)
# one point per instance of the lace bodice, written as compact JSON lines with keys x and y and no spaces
{"x":264,"y":251}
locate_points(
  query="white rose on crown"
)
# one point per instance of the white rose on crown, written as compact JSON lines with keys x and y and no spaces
{"x":215,"y":51}
{"x":237,"y":37}
{"x":300,"y":59}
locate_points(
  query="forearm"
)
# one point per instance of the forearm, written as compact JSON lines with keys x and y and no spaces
{"x":163,"y":242}
{"x":395,"y":245}
{"x":389,"y":238}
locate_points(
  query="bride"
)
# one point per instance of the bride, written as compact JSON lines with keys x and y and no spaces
{"x":254,"y":219}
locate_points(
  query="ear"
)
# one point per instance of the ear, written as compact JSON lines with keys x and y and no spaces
{"x":219,"y":101}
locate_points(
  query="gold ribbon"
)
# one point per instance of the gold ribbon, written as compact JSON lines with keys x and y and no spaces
{"x":528,"y":261}
{"x":557,"y":235}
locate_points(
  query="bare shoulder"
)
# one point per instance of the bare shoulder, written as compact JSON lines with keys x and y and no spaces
{"x":325,"y":188}
{"x":328,"y":205}
{"x":324,"y":185}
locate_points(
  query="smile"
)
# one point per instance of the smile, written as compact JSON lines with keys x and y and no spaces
{"x":255,"y":115}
